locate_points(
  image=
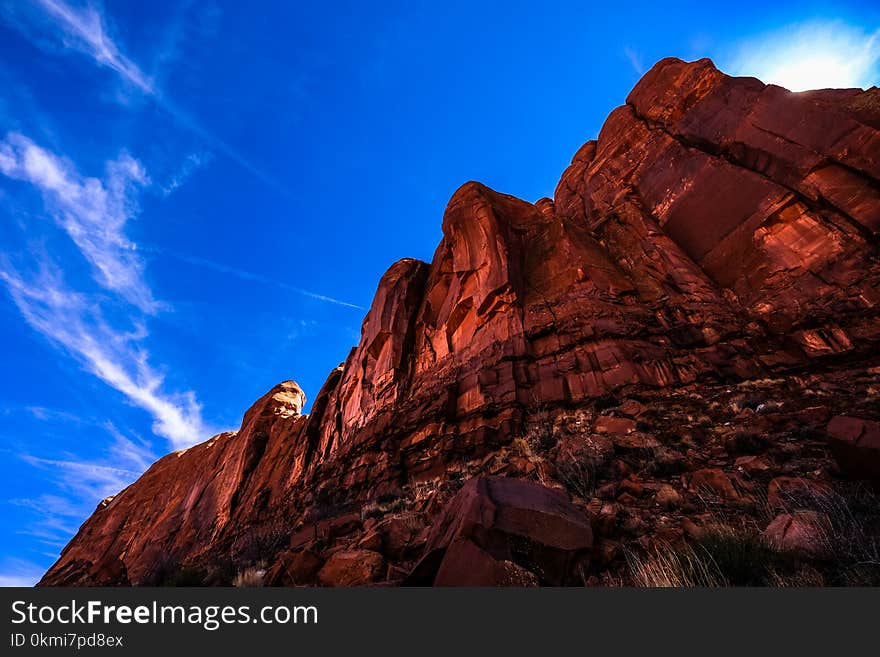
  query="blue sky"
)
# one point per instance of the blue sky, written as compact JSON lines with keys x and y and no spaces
{"x":197,"y":199}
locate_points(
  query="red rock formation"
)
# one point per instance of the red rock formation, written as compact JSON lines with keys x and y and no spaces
{"x":718,"y":231}
{"x":189,"y":498}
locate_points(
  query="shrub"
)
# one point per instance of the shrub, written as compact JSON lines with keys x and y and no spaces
{"x":262,"y":543}
{"x":186,"y":576}
{"x":751,"y":402}
{"x":722,"y":555}
{"x":540,"y":428}
{"x":666,"y":462}
{"x":740,"y":556}
{"x":603,"y":403}
{"x":745,"y":442}
{"x":221,"y":572}
{"x":576,"y":469}
{"x":169,"y":571}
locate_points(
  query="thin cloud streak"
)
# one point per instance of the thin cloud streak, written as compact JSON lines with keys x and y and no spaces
{"x":19,"y":572}
{"x":92,"y":212}
{"x":136,"y":452}
{"x":81,"y":485}
{"x":45,"y":414}
{"x":85,"y":30}
{"x":245,"y":275}
{"x":634,"y":60}
{"x":76,"y":323}
{"x":218,"y":144}
{"x":190,"y":165}
{"x":102,"y":473}
{"x":19,"y":580}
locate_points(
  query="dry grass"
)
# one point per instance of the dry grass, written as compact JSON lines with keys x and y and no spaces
{"x":576,"y":470}
{"x":379,"y":509}
{"x":727,"y":554}
{"x":805,"y":575}
{"x":852,"y":537}
{"x":249,"y":578}
{"x":723,"y":555}
{"x":669,"y":567}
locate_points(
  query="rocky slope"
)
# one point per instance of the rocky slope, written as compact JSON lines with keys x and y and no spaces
{"x":567,"y":382}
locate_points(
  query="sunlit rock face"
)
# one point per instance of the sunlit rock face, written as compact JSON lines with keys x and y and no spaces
{"x":717,"y":231}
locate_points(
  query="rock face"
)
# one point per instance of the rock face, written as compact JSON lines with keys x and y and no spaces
{"x":718,"y":233}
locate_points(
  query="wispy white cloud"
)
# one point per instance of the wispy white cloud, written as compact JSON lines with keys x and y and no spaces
{"x":105,"y":334}
{"x":46,"y":414}
{"x":86,"y":30}
{"x":93,"y":212}
{"x":135,"y":453}
{"x":191,"y":163}
{"x":15,"y":579}
{"x":99,"y":481}
{"x":123,"y":461}
{"x":634,"y":59}
{"x":75,"y":322}
{"x":19,"y":572}
{"x":814,"y":55}
{"x":80,"y":485}
{"x":104,"y":330}
{"x":55,"y":518}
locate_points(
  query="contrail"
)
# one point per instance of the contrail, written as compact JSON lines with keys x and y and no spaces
{"x":243,"y":274}
{"x":218,"y":144}
{"x":87,"y":27}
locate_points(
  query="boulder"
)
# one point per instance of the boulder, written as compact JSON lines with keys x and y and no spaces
{"x":294,"y":569}
{"x":713,"y":481}
{"x":493,"y":522}
{"x":667,"y":496}
{"x":351,"y":568}
{"x":855,"y":444}
{"x":616,"y":426}
{"x":466,"y":564}
{"x":802,"y":533}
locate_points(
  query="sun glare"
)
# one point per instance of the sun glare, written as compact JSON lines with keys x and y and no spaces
{"x":814,"y":56}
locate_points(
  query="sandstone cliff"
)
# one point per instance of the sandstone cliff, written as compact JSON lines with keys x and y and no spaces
{"x":707,"y":269}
